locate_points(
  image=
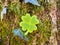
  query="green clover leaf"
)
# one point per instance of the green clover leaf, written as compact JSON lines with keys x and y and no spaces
{"x":26,"y":18}
{"x":28,"y":23}
{"x":34,"y":20}
{"x":32,"y":28}
{"x":24,"y":26}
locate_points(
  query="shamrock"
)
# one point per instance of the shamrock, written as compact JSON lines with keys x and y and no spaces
{"x":28,"y":23}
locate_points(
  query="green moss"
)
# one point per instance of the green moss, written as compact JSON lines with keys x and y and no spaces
{"x":14,"y":8}
{"x":12,"y":21}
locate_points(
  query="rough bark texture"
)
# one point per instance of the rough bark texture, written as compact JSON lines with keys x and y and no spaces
{"x":53,"y":40}
{"x":58,"y":21}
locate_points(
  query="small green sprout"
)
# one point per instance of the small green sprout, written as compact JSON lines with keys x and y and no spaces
{"x":28,"y":23}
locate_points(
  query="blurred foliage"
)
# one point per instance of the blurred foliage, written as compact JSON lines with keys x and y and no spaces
{"x":4,"y":28}
{"x":14,"y":7}
{"x":19,"y":32}
{"x":0,"y":8}
{"x":15,"y":10}
{"x":45,"y":28}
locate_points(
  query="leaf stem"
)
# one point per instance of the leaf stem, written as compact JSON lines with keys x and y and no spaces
{"x":26,"y":33}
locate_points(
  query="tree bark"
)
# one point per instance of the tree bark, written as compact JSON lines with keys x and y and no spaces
{"x":53,"y":40}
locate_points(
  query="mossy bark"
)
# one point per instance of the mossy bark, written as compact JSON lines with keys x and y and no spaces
{"x":13,"y":22}
{"x":53,"y":38}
